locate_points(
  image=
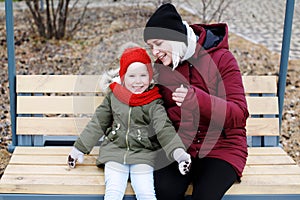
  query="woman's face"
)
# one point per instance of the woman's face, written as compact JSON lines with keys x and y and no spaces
{"x":162,"y":50}
{"x":136,"y":78}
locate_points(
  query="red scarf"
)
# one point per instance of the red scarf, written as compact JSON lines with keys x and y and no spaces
{"x":127,"y":97}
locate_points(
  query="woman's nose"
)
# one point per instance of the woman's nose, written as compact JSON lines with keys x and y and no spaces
{"x":155,"y":52}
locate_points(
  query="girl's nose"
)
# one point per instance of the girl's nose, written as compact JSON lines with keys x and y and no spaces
{"x":137,"y":80}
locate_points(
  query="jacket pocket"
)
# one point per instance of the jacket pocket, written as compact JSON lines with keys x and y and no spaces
{"x":113,"y":133}
{"x":140,"y":138}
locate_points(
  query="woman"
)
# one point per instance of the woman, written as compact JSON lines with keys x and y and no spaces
{"x":203,"y":94}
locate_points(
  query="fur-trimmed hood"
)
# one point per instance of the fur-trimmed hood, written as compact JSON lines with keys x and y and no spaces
{"x":108,"y":77}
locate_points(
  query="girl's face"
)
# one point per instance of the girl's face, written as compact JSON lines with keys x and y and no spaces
{"x":136,"y":78}
{"x":162,"y":50}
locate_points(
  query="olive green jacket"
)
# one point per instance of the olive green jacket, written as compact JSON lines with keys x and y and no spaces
{"x":132,"y":135}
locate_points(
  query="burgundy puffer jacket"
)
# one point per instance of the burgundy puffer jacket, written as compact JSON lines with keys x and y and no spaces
{"x":212,"y":119}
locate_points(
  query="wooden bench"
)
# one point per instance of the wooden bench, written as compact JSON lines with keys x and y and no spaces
{"x":52,"y":110}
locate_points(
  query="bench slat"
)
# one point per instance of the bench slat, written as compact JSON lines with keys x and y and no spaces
{"x":270,"y":160}
{"x":271,"y":179}
{"x":260,"y":84}
{"x":88,"y":104}
{"x":54,"y":179}
{"x":57,"y":104}
{"x":236,"y":189}
{"x":60,"y":159}
{"x":50,"y":125}
{"x":90,"y":160}
{"x":93,"y":170}
{"x":239,"y":189}
{"x":252,"y":151}
{"x":271,"y":170}
{"x":52,"y":170}
{"x":262,"y":127}
{"x":74,"y":126}
{"x":53,"y":189}
{"x":98,"y":181}
{"x":262,"y":105}
{"x":48,"y":160}
{"x":88,"y":83}
{"x":58,"y":151}
{"x":57,"y":83}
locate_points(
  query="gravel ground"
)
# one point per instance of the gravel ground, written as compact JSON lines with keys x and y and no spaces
{"x":96,"y":47}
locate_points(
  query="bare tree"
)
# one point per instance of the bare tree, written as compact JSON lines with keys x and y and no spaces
{"x":52,"y":22}
{"x":210,"y":10}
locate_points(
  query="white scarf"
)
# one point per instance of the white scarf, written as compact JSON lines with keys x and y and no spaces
{"x":181,"y":52}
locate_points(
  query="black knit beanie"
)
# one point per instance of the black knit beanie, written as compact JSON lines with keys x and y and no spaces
{"x":165,"y":23}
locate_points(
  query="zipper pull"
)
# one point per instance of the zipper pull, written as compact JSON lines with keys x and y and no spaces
{"x":118,"y":127}
{"x":139,"y":135}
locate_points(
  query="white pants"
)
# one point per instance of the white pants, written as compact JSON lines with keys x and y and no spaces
{"x":116,"y":177}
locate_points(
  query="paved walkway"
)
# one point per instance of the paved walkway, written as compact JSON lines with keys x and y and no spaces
{"x":260,"y":21}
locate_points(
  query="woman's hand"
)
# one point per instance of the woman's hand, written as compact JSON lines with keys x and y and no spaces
{"x":179,"y":95}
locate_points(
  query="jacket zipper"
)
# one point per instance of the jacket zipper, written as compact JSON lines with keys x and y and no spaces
{"x":126,"y":137}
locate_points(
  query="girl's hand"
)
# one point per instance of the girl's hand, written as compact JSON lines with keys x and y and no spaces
{"x":183,"y":159}
{"x":179,"y":95}
{"x":75,"y":156}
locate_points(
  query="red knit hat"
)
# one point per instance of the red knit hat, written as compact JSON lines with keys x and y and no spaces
{"x":131,"y":55}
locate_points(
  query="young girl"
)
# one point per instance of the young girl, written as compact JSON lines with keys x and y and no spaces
{"x":136,"y":128}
